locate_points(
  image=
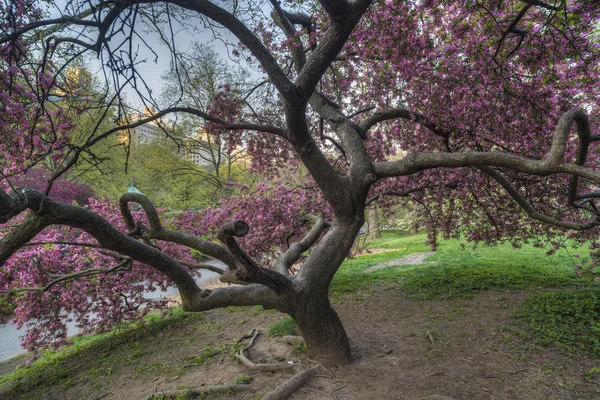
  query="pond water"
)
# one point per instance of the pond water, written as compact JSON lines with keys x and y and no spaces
{"x":10,"y":344}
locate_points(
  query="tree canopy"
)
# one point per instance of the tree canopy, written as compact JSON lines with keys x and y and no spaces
{"x":483,"y":113}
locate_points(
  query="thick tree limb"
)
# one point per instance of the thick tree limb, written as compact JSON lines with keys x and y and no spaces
{"x":287,"y":259}
{"x":157,"y":231}
{"x":246,"y":269}
{"x":332,"y":42}
{"x":323,"y":261}
{"x":47,"y":212}
{"x":338,"y":10}
{"x":249,"y":295}
{"x":554,"y":162}
{"x":281,"y":19}
{"x":352,"y":144}
{"x":417,"y":162}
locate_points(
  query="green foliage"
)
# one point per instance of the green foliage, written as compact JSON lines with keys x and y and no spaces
{"x":7,"y":306}
{"x":243,"y":380}
{"x":284,"y":327}
{"x":567,"y":320}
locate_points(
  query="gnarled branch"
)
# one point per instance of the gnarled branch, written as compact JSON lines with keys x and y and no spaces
{"x":245,"y":268}
{"x":287,"y":259}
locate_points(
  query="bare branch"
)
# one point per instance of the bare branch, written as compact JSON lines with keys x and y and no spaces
{"x":528,"y":208}
{"x":245,"y":35}
{"x":541,"y":4}
{"x":287,"y":259}
{"x":402,"y":113}
{"x":123,"y":265}
{"x":65,"y":19}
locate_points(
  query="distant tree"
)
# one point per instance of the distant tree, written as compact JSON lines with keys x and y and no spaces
{"x":202,"y":80}
{"x":478,"y":111}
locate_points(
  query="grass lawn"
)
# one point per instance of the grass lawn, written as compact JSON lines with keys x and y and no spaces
{"x":456,"y":270}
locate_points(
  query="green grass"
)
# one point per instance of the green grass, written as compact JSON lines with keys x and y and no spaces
{"x":566,"y":320}
{"x":457,"y":271}
{"x":208,"y":354}
{"x":284,"y":327}
{"x":49,"y":368}
{"x":243,"y":380}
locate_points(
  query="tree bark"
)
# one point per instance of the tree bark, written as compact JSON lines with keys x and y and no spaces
{"x":373,"y":226}
{"x":322,"y":330}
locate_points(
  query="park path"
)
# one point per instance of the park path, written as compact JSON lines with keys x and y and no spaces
{"x":410,"y":259}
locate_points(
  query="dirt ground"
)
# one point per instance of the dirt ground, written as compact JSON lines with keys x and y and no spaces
{"x":404,"y":349}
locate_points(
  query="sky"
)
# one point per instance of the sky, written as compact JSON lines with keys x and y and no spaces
{"x":150,"y":67}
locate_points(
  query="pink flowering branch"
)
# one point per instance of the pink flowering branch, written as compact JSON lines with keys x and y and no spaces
{"x":123,"y":265}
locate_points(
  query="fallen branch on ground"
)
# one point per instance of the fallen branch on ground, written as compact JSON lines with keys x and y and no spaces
{"x":286,"y":389}
{"x":172,"y":394}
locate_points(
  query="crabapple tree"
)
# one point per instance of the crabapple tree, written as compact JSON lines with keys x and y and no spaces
{"x":482,"y":112}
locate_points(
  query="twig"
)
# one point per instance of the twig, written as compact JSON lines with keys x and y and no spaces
{"x":434,"y":373}
{"x":518,"y":370}
{"x":430,"y":337}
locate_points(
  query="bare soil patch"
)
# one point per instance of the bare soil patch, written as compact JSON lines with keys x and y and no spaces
{"x":404,"y":349}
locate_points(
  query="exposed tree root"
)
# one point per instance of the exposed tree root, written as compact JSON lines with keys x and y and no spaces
{"x":286,"y":389}
{"x":260,"y":367}
{"x":172,"y":394}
